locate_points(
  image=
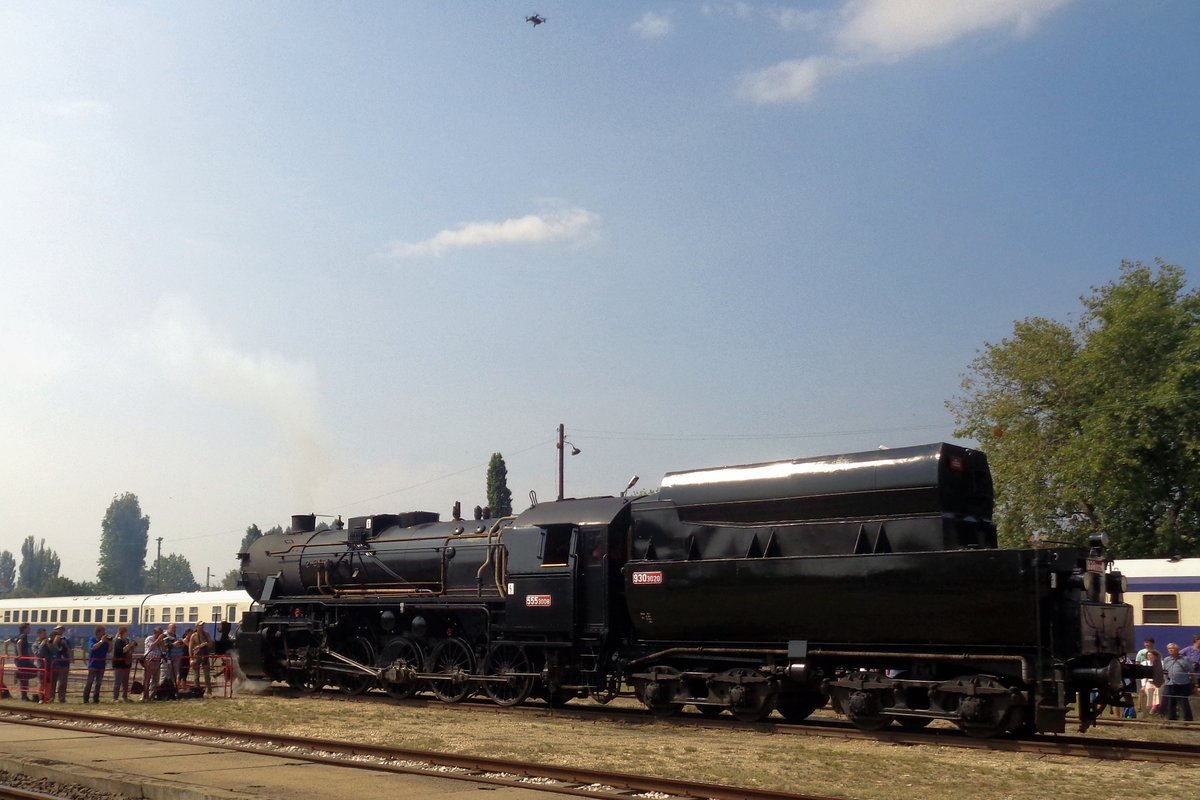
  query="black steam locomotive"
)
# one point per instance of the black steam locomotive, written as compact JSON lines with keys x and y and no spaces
{"x":869,"y":580}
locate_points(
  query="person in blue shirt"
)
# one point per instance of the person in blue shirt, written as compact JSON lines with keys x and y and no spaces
{"x":97,"y":656}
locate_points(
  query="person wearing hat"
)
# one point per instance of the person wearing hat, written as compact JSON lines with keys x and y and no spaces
{"x":60,"y":650}
{"x":200,"y":648}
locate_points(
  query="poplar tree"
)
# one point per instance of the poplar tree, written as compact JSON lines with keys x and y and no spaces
{"x":498,"y":496}
{"x":125,"y":533}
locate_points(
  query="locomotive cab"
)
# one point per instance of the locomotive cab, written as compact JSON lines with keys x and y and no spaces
{"x":561,"y":560}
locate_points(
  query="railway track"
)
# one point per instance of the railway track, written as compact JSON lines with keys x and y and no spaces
{"x":1056,"y":745}
{"x":476,"y":769}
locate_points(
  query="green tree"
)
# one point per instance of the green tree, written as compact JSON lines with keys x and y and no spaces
{"x":124,"y":534}
{"x":176,"y":575}
{"x":1096,"y":426}
{"x":273,"y":531}
{"x":8,"y":572}
{"x":230,"y":581}
{"x":498,"y":496}
{"x":253,"y":534}
{"x":39,"y":564}
{"x":59,"y":586}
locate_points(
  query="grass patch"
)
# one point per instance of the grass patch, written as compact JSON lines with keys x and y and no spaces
{"x":861,"y":770}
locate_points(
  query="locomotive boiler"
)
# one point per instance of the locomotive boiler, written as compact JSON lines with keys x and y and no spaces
{"x":869,"y":580}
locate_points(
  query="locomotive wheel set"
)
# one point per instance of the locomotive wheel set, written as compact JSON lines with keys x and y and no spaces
{"x":870,"y":581}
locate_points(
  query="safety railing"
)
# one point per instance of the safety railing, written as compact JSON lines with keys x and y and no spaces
{"x":48,"y":680}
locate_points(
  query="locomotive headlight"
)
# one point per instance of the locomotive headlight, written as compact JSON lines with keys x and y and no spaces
{"x":1098,"y":540}
{"x":1116,"y":583}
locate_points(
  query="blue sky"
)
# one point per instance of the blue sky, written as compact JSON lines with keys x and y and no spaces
{"x":272,"y":258}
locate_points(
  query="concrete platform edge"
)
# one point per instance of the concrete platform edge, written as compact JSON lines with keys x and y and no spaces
{"x":103,"y":781}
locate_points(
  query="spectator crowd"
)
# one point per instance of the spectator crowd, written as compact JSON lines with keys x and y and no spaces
{"x":44,"y":664}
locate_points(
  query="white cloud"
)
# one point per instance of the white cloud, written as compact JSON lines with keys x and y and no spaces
{"x":873,"y":32}
{"x":652,"y":25}
{"x":77,"y":110}
{"x":788,"y":81}
{"x":896,"y":28}
{"x":558,"y":225}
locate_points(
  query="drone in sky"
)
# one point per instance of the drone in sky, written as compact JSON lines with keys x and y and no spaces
{"x":535,"y":20}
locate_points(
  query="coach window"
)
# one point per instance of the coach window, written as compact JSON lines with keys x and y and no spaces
{"x":54,"y":615}
{"x":231,"y":613}
{"x":149,"y":616}
{"x":193,"y":614}
{"x":62,"y":615}
{"x":74,"y":615}
{"x":124,"y":616}
{"x":112,"y":615}
{"x":179,"y":613}
{"x":45,"y":615}
{"x":99,"y":615}
{"x":8,"y":615}
{"x":216,"y":614}
{"x":87,"y":615}
{"x":1160,"y":609}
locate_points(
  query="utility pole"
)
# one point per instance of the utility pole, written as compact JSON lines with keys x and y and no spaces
{"x":207,"y":577}
{"x":158,"y":567}
{"x":562,"y":441}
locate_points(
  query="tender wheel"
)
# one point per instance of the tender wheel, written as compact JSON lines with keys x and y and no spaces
{"x":400,"y":661}
{"x":751,"y":701}
{"x":656,"y":694}
{"x":864,"y":713}
{"x":510,"y":662}
{"x":1009,"y":722}
{"x":453,"y":658}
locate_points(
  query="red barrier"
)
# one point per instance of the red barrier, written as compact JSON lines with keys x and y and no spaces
{"x":65,"y":679}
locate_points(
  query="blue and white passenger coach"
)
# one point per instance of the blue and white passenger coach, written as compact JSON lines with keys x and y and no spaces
{"x":140,"y":612}
{"x":1165,"y":595}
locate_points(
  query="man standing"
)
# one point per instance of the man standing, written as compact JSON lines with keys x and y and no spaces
{"x":24,"y":659}
{"x":97,"y":655}
{"x":1177,"y":690}
{"x":201,"y":648}
{"x":60,"y":648}
{"x":172,"y":653}
{"x":122,"y":660}
{"x":1147,"y":646}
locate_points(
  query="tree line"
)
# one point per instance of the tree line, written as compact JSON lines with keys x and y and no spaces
{"x":124,"y":539}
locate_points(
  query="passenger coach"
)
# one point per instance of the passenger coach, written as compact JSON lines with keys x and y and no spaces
{"x":1165,"y":595}
{"x":141,"y":612}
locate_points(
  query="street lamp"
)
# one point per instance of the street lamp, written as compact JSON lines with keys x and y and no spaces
{"x":562,"y":441}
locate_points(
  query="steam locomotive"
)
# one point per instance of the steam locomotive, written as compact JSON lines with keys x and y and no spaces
{"x":871,"y":581}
